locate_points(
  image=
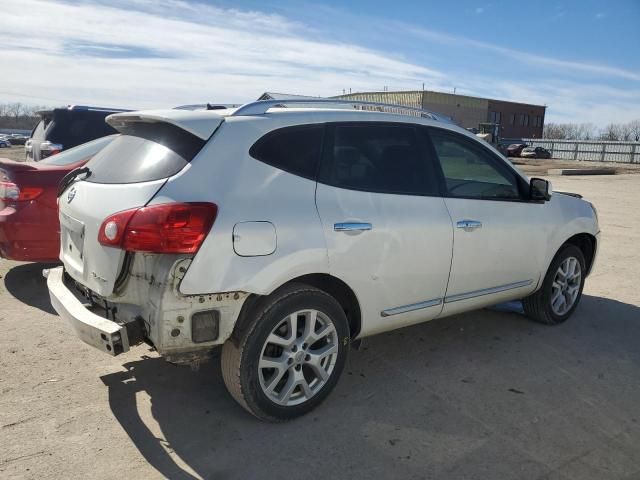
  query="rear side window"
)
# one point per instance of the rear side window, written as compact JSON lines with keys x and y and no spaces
{"x":293,"y":149}
{"x":375,"y":157}
{"x":145,"y":151}
{"x":81,"y":152}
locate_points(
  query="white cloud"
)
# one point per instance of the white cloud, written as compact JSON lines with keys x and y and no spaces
{"x":147,"y":54}
{"x":198,"y":53}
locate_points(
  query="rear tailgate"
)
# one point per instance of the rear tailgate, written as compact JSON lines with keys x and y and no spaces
{"x":126,"y":174}
{"x":83,"y":208}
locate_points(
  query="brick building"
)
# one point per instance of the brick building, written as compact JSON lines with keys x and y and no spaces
{"x":516,"y":120}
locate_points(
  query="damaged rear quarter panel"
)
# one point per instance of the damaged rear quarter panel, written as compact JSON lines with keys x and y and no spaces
{"x":150,"y":290}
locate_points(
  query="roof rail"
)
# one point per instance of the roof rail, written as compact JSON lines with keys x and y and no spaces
{"x":260,"y":107}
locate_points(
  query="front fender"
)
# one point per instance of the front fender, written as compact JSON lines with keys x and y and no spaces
{"x":572,"y":216}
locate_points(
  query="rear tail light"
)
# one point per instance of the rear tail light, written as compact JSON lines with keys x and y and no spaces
{"x":11,"y":191}
{"x":165,"y":228}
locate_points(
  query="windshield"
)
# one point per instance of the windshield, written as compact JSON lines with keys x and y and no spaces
{"x":81,"y":152}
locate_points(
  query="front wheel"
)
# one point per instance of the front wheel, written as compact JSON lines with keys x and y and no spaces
{"x":290,"y":356}
{"x":561,"y":290}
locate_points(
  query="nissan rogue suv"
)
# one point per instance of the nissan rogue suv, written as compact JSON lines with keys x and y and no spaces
{"x":284,"y":234}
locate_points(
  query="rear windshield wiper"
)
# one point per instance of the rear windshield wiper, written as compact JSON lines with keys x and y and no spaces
{"x":70,"y":177}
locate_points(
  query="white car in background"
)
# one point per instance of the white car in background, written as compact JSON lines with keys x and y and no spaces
{"x":285,"y":234}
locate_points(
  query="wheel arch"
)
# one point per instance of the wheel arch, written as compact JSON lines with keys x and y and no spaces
{"x":587,"y":243}
{"x":329,"y":284}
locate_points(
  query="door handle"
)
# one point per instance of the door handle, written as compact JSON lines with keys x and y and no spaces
{"x":351,"y":227}
{"x":469,"y":225}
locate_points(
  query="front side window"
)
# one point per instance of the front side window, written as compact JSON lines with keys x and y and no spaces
{"x":377,"y":157}
{"x":471,"y":171}
{"x":293,"y":149}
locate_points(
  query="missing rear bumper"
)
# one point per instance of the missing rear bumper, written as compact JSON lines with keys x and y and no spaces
{"x":105,"y":335}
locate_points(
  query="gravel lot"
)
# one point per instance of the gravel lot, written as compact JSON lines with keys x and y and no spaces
{"x":16,"y":152}
{"x":485,"y":395}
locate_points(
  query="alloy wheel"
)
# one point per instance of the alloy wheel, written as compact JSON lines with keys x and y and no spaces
{"x":298,"y":357}
{"x":566,"y":286}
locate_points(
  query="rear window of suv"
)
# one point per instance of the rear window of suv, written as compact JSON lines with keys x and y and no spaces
{"x":145,"y":151}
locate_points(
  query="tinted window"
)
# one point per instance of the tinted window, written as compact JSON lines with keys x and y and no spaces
{"x":377,"y":158}
{"x":472,"y":171}
{"x":72,"y":127}
{"x":144,"y":152}
{"x":293,"y":149}
{"x":81,"y":152}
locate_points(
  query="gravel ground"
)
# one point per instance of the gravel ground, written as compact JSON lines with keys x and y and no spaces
{"x":482,"y":395}
{"x":15,"y":152}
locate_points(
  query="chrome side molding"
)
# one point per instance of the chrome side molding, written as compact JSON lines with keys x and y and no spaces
{"x":411,"y":307}
{"x":486,"y":291}
{"x":453,"y":298}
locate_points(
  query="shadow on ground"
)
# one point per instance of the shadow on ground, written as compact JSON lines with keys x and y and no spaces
{"x":26,"y":283}
{"x":487,"y":394}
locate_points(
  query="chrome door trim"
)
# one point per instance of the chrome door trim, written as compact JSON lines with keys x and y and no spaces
{"x":351,"y":226}
{"x":411,"y":307}
{"x":486,"y":291}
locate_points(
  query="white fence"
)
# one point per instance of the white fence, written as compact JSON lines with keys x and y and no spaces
{"x":621,"y":152}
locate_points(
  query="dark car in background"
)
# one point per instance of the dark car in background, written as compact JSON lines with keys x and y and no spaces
{"x":63,"y":128}
{"x":515,"y":149}
{"x":17,"y":139}
{"x":5,"y":143}
{"x":535,"y":152}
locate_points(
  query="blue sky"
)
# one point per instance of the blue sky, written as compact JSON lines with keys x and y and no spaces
{"x":581,"y":58}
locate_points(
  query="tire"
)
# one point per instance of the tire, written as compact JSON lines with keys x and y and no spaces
{"x":545,"y":305}
{"x":268,"y":340}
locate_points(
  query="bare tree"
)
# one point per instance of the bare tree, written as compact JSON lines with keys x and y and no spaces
{"x":15,"y":110}
{"x":611,"y":132}
{"x":634,"y":127}
{"x":554,"y":131}
{"x":586,"y":131}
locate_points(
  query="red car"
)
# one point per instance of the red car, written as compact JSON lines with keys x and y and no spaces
{"x":29,"y":228}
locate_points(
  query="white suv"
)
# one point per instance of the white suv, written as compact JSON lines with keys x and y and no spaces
{"x":286,"y":234}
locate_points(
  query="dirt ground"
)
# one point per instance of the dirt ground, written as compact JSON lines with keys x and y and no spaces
{"x":539,"y":167}
{"x":484,"y":395}
{"x":13,"y":153}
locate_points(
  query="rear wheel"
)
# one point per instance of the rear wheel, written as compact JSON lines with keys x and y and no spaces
{"x":290,"y":356}
{"x":561,"y":290}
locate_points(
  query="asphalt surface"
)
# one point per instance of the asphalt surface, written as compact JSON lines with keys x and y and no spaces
{"x":485,"y":395}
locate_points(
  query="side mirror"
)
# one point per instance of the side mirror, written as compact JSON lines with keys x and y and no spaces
{"x":540,"y":189}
